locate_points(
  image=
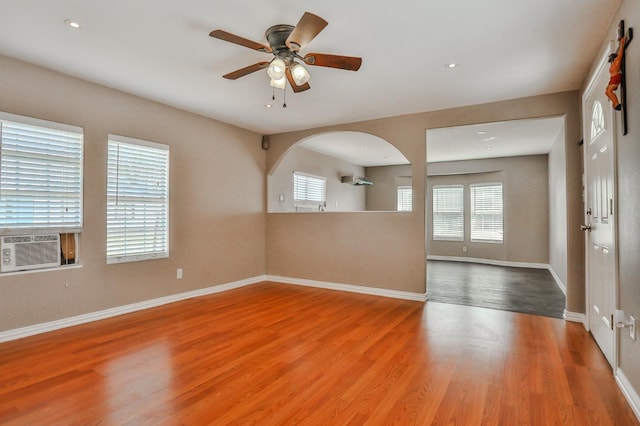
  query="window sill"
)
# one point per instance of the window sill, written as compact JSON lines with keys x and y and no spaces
{"x":33,"y":271}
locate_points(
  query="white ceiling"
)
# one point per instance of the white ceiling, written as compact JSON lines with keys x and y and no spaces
{"x":494,"y":140}
{"x":161,"y":50}
{"x":356,"y":148}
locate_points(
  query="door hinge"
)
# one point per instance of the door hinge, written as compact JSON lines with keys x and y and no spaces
{"x":611,"y":206}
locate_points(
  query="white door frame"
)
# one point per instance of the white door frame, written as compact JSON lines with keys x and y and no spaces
{"x":586,"y":125}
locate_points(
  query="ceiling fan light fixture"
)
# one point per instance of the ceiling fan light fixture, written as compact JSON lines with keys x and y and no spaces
{"x":300,"y":74}
{"x":276,"y":69}
{"x":278,"y":83}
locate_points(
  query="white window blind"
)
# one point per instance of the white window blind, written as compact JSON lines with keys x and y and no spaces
{"x":137,"y":200}
{"x":309,"y":190}
{"x":40,"y":176}
{"x":486,"y":212}
{"x":448,"y":212}
{"x":405,"y":199}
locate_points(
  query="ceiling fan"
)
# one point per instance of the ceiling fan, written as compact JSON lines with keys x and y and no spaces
{"x":285,"y":43}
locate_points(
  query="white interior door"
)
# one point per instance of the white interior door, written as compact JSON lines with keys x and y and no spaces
{"x":599,"y":119}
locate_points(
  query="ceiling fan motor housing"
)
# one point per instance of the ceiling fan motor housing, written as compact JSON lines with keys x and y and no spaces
{"x":277,"y":36}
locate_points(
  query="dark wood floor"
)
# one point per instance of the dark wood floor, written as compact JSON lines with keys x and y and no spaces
{"x":273,"y":354}
{"x":526,"y":290}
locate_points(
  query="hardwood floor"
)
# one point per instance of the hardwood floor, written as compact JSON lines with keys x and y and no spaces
{"x":274,"y":354}
{"x":526,"y":290}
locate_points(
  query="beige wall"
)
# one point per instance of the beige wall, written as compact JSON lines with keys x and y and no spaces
{"x":390,"y":247}
{"x":217,"y":217}
{"x":557,"y":203}
{"x":218,"y":202}
{"x":628,"y":155}
{"x":491,"y":251}
{"x":382,"y":195}
{"x":526,"y":207}
{"x":340,"y":196}
{"x":218,"y":231}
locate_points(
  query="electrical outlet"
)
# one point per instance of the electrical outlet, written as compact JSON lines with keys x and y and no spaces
{"x":179,"y":273}
{"x":464,"y":249}
{"x":632,"y":327}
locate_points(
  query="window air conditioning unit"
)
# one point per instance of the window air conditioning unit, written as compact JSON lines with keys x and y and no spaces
{"x":26,"y":252}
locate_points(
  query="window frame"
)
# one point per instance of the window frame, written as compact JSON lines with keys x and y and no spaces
{"x":309,"y":203}
{"x":114,"y":256}
{"x":73,"y":222}
{"x":401,"y":203}
{"x":435,"y":204}
{"x":598,"y":120}
{"x":472,"y":214}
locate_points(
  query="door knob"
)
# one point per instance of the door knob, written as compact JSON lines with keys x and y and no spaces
{"x":585,"y":228}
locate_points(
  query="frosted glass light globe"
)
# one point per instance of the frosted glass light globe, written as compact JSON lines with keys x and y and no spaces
{"x":276,"y":69}
{"x":300,"y":74}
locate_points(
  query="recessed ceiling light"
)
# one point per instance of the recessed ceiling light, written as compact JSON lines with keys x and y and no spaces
{"x":268,"y":106}
{"x":73,"y":24}
{"x":451,"y":65}
{"x":482,"y":132}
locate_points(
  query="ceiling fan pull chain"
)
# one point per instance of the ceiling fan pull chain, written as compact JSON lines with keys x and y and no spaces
{"x":284,"y":105}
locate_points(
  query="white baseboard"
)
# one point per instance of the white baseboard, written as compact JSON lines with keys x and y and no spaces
{"x":31,"y":330}
{"x":490,"y":261}
{"x":628,"y":391}
{"x":561,"y":285}
{"x":396,"y":294}
{"x":574,"y":317}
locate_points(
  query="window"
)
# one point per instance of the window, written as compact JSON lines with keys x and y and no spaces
{"x":309,"y":191}
{"x":40,"y":176}
{"x":405,"y":199}
{"x":448,"y":212}
{"x":486,"y":212}
{"x":137,"y":200}
{"x":597,"y":120}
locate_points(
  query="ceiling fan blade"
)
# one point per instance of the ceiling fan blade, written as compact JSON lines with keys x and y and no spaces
{"x":232,"y":38}
{"x":305,"y":30}
{"x":350,"y":63}
{"x":246,"y":70}
{"x":293,"y":84}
